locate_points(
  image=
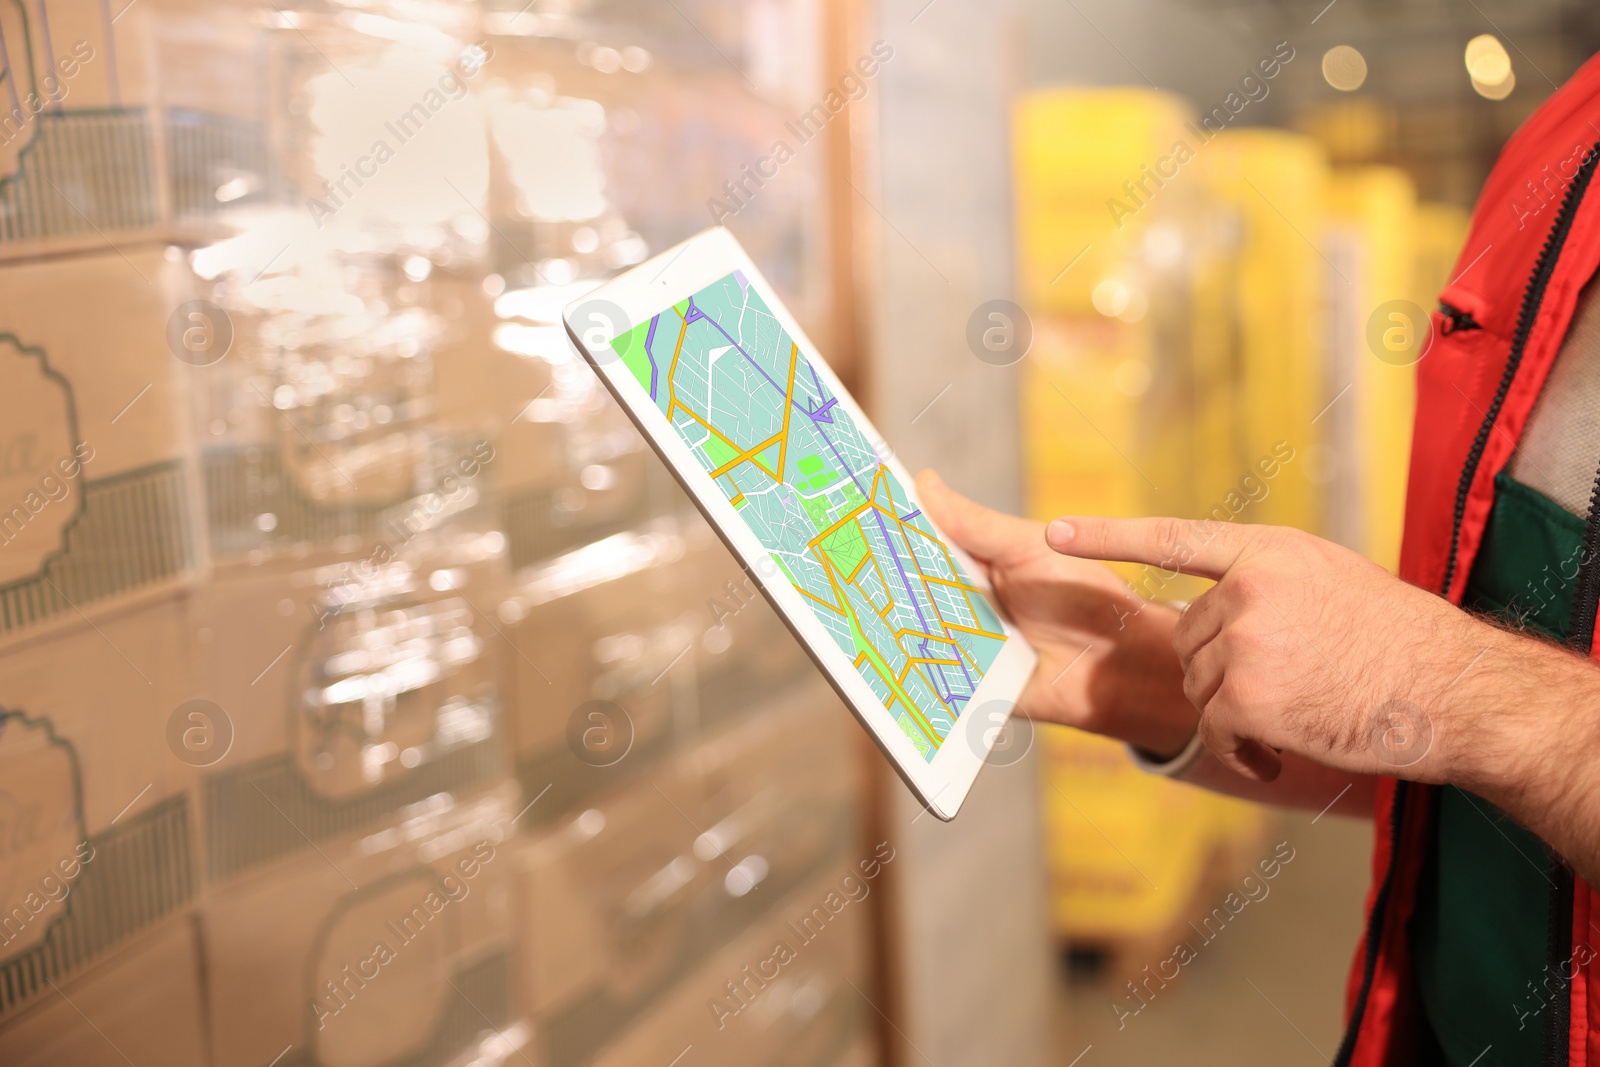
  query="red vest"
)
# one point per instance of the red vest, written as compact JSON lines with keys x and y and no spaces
{"x":1534,"y":243}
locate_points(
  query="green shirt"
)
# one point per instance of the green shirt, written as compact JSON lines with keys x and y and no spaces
{"x":1481,"y":932}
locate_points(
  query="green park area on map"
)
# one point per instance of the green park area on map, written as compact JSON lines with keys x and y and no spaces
{"x":841,"y":526}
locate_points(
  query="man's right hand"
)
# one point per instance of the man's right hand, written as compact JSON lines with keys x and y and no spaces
{"x":1106,"y":661}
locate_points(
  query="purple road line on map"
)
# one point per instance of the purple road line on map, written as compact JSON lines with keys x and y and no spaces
{"x":821,"y":413}
{"x":695,"y":315}
{"x":649,"y":339}
{"x":908,"y":518}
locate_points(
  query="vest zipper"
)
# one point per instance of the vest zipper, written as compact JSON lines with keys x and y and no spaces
{"x":1532,"y":298}
{"x":1380,"y":905}
{"x":1558,"y":961}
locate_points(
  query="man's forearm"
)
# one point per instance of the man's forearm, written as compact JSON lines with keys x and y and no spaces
{"x":1521,"y":728}
{"x":1303,"y":784}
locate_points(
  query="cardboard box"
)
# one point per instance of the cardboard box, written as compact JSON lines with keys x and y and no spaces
{"x":602,"y":670}
{"x":318,"y":429}
{"x":95,"y":505}
{"x":143,"y":1005}
{"x":355,"y":689}
{"x":375,"y":949}
{"x":752,"y":1005}
{"x":606,"y":905}
{"x":618,"y":901}
{"x":778,"y":800}
{"x":98,"y":809}
{"x":77,"y":136}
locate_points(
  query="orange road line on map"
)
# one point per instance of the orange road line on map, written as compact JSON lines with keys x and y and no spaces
{"x":735,"y":501}
{"x":819,"y":600}
{"x":687,"y":410}
{"x":966,"y":590}
{"x":742,"y":456}
{"x":943,"y":663}
{"x":788,"y":406}
{"x":923,"y":723}
{"x":857,"y":664}
{"x":815,"y":541}
{"x":971,"y":630}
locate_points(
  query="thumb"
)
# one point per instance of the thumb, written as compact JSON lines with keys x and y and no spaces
{"x":986,"y":535}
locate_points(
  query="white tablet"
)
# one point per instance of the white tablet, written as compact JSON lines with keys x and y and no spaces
{"x":699,"y":351}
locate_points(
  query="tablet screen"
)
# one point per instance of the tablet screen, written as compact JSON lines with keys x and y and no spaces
{"x":846,"y":533}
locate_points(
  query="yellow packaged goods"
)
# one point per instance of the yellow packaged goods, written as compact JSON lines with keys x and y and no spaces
{"x":97,"y":811}
{"x":145,"y":1004}
{"x":374,"y":950}
{"x":1274,"y":185}
{"x":96,"y":506}
{"x":1377,"y":329}
{"x":1083,"y":160}
{"x":1129,"y":850}
{"x":1176,"y":369}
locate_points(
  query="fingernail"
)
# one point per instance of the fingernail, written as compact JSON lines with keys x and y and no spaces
{"x":1059,"y":533}
{"x":932,"y":479}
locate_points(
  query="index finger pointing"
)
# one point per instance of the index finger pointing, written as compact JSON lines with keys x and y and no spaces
{"x":1201,"y":547}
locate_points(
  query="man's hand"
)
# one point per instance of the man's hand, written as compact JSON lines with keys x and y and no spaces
{"x":1303,"y":646}
{"x":1104,"y":665}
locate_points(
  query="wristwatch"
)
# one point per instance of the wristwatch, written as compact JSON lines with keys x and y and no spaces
{"x":1175,"y":767}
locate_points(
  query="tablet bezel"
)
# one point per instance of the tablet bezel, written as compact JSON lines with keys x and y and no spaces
{"x":653,"y":287}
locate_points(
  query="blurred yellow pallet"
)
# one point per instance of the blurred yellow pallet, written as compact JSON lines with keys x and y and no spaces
{"x":1175,"y":346}
{"x":1129,"y":851}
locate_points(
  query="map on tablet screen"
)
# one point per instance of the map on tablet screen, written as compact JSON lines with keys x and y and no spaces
{"x":802,"y":476}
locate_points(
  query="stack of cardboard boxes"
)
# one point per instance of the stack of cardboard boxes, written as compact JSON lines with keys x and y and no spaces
{"x":368,"y":693}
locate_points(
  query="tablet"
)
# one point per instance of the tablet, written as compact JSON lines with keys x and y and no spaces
{"x":723,"y":383}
